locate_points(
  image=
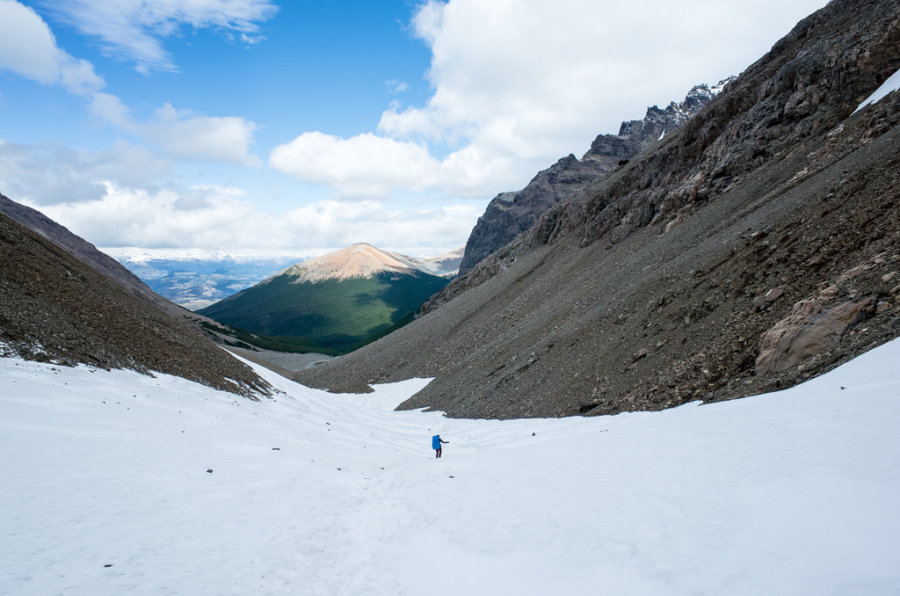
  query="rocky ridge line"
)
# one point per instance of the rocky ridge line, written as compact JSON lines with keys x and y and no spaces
{"x":511,"y":213}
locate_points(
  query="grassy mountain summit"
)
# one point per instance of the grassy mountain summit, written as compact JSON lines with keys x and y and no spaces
{"x":331,"y":304}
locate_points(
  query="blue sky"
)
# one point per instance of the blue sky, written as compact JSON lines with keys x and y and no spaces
{"x":259,"y":126}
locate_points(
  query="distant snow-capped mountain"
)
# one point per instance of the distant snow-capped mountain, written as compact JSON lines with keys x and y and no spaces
{"x":445,"y":264}
{"x":195,"y":283}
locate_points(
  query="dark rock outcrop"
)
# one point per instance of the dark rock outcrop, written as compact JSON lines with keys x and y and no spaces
{"x":511,"y":213}
{"x":657,"y":285}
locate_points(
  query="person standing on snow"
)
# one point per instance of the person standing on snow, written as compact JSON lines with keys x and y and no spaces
{"x":436,"y":441}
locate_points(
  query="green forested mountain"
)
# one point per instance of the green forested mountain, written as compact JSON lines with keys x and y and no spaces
{"x":333,"y":304}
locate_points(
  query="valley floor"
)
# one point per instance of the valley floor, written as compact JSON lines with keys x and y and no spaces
{"x":284,"y":363}
{"x":118,"y":483}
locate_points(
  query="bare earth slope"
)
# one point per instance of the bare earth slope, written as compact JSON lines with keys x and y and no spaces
{"x":82,"y":250}
{"x":753,"y":248}
{"x":56,"y":308}
{"x":359,"y":260}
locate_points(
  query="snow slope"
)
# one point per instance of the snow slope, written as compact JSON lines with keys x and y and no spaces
{"x":889,"y":86}
{"x":105,"y":491}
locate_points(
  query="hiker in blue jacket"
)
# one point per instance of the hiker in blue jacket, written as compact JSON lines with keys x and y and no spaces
{"x":436,"y":441}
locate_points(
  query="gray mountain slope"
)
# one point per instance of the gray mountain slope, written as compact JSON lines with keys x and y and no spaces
{"x":753,"y":248}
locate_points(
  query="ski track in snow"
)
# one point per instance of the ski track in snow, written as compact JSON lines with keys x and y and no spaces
{"x":789,"y":493}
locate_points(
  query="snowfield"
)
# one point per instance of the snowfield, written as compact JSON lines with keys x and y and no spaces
{"x":106,"y":491}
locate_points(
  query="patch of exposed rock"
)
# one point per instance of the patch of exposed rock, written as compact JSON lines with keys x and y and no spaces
{"x":816,"y":325}
{"x":360,"y":260}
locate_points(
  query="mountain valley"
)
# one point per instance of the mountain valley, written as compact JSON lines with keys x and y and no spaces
{"x":739,"y":241}
{"x":668,"y":366}
{"x":198,"y":282}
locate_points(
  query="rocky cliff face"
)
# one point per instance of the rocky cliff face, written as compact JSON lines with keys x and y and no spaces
{"x":511,"y":213}
{"x":752,"y":248}
{"x":55,"y":307}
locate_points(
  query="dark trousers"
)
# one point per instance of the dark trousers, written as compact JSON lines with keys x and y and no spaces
{"x":437,"y":452}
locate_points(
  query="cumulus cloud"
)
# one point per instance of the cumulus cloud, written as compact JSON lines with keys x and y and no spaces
{"x":183,"y":133}
{"x":29,"y":49}
{"x":546,"y":72}
{"x":114,"y":199}
{"x":52,"y":174}
{"x":218,"y":218}
{"x":362,"y":165}
{"x":414,"y":231}
{"x":218,"y":138}
{"x":124,"y":216}
{"x":517,"y":85}
{"x":134,"y":29}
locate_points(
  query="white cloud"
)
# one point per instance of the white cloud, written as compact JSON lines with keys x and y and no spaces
{"x":28,"y":48}
{"x":396,"y":86}
{"x":113,"y":199}
{"x":520,"y":84}
{"x":218,"y":138}
{"x":51,"y":174}
{"x":183,"y":133}
{"x":222,"y":219}
{"x":362,"y":165}
{"x":140,"y":217}
{"x":110,"y":107}
{"x":411,"y":231}
{"x":134,"y":29}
